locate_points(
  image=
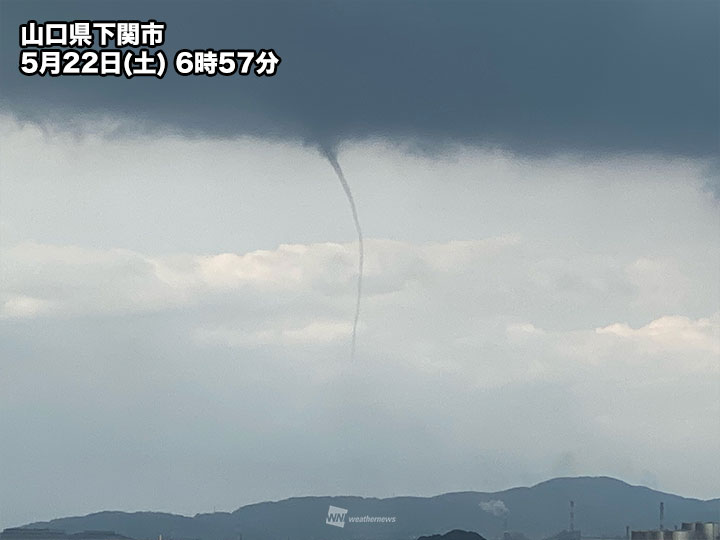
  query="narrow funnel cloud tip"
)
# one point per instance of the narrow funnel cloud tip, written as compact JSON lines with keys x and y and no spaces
{"x":331,"y":156}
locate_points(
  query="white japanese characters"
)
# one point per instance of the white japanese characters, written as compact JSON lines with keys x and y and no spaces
{"x":83,"y":33}
{"x":210,"y":62}
{"x":58,"y":48}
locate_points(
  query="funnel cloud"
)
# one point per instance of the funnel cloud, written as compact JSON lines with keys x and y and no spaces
{"x":331,"y":156}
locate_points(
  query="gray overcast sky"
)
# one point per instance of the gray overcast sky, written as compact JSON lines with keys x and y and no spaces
{"x":537,"y":185}
{"x":623,"y":76}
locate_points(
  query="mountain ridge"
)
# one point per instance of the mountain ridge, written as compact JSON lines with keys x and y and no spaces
{"x":603,"y":507}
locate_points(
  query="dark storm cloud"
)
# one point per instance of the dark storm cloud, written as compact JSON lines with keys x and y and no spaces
{"x":532,"y":76}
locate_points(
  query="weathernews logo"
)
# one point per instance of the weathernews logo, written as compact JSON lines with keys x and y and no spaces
{"x":336,"y":516}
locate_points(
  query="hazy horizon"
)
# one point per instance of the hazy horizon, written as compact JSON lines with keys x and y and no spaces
{"x":322,"y":495}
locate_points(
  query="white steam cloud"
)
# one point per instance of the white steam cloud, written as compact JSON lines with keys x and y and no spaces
{"x":495,"y":507}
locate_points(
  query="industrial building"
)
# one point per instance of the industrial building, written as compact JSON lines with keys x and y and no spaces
{"x":688,"y":531}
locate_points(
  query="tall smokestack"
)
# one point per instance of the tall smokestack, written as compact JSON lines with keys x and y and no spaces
{"x":662,"y":515}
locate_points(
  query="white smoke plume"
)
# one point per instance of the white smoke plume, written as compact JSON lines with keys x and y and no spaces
{"x":495,"y":507}
{"x":332,"y":158}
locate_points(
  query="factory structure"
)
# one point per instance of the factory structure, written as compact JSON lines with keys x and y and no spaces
{"x":688,"y":531}
{"x":696,"y":530}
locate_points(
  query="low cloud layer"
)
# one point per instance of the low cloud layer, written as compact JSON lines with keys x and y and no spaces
{"x":177,"y":312}
{"x":538,"y":78}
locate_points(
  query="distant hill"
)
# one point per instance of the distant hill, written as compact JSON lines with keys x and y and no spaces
{"x":603,"y":507}
{"x":454,"y":535}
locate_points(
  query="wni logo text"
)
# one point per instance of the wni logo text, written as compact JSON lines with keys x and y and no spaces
{"x":336,"y":516}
